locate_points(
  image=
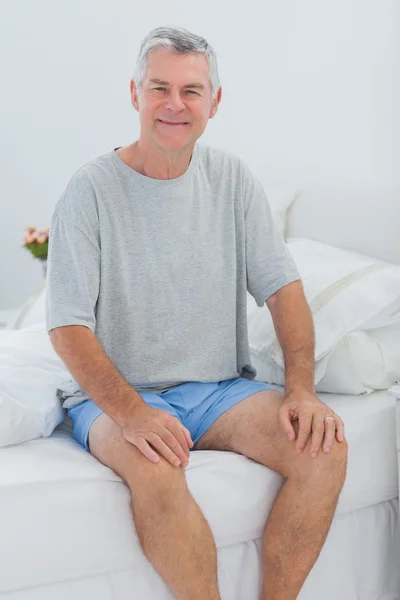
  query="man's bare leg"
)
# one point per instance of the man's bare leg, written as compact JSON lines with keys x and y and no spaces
{"x":299,"y":524}
{"x":172,"y":530}
{"x":301,"y":516}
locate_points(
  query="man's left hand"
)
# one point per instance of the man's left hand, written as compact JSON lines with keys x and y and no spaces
{"x":305,"y":407}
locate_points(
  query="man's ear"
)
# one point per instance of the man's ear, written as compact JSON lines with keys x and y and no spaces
{"x":134,"y":95}
{"x":215,"y":103}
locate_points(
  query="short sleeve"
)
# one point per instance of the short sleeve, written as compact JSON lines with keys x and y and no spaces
{"x":269,"y":263}
{"x":73,"y":263}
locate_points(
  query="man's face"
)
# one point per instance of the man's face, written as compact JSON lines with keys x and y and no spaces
{"x":174,"y":103}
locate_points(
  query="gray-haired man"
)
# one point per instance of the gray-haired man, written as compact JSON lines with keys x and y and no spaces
{"x":152,"y":249}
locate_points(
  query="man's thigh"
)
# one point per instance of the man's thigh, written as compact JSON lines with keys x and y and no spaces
{"x":252,"y":428}
{"x":202,"y":403}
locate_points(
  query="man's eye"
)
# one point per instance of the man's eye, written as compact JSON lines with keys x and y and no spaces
{"x":159,"y":88}
{"x":192,"y":92}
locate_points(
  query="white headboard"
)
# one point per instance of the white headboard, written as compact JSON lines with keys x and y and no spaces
{"x":364,"y":221}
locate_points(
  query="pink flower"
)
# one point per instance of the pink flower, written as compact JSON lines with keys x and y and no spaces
{"x":33,"y":235}
{"x":30,"y":238}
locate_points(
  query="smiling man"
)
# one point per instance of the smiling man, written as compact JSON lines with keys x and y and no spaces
{"x":153,"y":247}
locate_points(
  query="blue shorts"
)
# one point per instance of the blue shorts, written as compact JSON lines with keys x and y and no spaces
{"x":197,"y":405}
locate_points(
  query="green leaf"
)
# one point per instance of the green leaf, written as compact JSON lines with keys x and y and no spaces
{"x":38,"y":250}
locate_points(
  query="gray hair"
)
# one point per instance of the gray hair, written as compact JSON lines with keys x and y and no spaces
{"x":180,"y":41}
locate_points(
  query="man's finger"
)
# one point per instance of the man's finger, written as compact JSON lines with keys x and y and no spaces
{"x":318,"y":431}
{"x":286,"y":424}
{"x":142,"y":445}
{"x":330,"y":430}
{"x":180,"y":437}
{"x":170,"y":439}
{"x":339,"y":429}
{"x":187,"y":436}
{"x":162,"y":448}
{"x":304,"y":432}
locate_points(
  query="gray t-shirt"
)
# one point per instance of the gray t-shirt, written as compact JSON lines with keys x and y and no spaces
{"x":159,"y":269}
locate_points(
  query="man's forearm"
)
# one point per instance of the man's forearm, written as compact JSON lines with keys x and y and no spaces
{"x":295,"y":331}
{"x":97,"y":375}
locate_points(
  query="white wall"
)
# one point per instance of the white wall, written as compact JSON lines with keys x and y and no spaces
{"x":310,"y":96}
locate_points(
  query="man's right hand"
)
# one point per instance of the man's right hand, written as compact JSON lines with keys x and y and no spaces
{"x":151,"y":429}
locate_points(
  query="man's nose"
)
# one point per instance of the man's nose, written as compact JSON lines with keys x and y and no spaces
{"x":174,"y":101}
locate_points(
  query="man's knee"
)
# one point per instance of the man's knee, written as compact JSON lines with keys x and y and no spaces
{"x":152,"y":485}
{"x":160,"y":487}
{"x":333,"y":467}
{"x":327,"y":470}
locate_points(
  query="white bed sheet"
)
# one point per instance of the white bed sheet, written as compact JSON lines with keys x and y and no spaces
{"x":64,"y":516}
{"x":356,"y":568}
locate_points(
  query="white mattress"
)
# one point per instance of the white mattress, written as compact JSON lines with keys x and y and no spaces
{"x":65,"y":516}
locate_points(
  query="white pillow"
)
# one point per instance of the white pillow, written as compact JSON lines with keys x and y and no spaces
{"x":364,"y":361}
{"x":280,"y":199}
{"x":30,"y":373}
{"x":347,"y":292}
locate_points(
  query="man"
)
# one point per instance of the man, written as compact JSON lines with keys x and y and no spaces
{"x":152,"y":247}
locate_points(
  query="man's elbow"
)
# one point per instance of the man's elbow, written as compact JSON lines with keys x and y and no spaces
{"x":59,"y":335}
{"x":55,"y":337}
{"x":295,"y":287}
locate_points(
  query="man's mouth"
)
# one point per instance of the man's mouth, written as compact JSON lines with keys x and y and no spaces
{"x":173,"y":123}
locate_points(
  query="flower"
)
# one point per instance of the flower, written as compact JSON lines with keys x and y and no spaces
{"x":36,"y":241}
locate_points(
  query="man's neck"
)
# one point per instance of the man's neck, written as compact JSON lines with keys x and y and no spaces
{"x":154,"y":162}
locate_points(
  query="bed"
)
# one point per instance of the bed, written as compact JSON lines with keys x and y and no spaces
{"x":65,"y":519}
